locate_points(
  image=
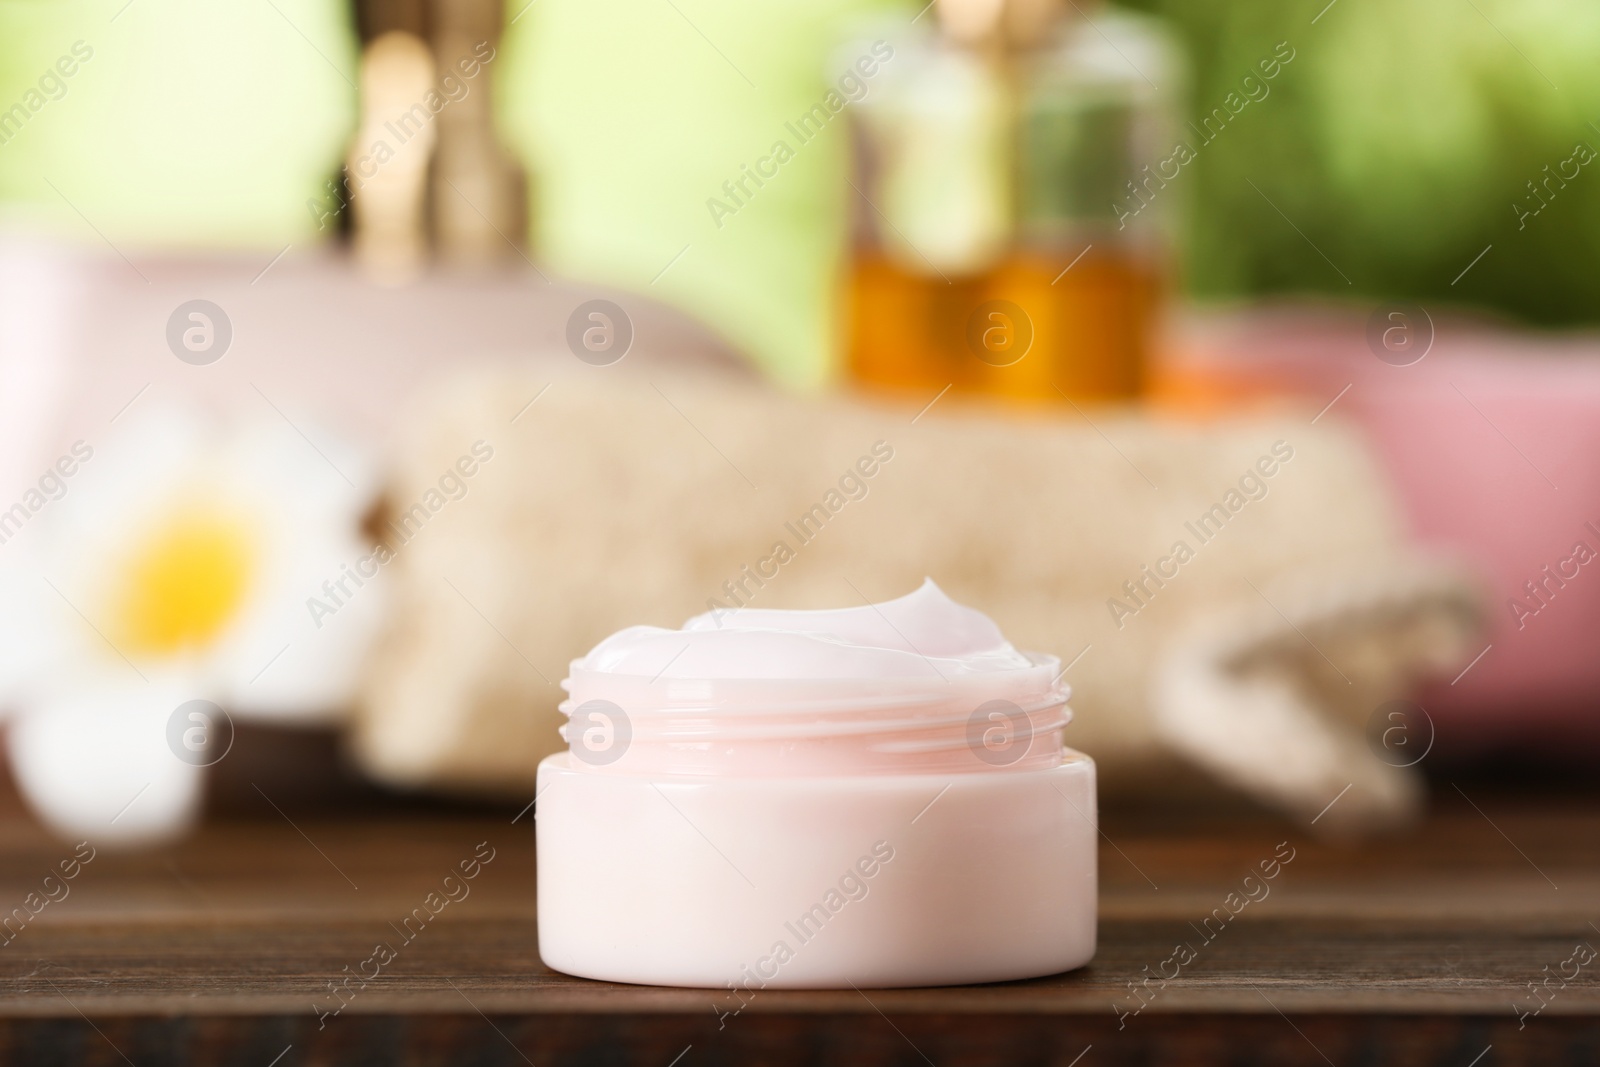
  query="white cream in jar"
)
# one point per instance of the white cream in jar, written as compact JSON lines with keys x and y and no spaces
{"x":869,"y":796}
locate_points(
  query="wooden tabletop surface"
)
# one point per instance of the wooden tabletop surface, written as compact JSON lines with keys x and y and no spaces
{"x":222,"y":950}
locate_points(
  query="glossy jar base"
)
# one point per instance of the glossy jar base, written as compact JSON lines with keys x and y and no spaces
{"x":805,"y":883}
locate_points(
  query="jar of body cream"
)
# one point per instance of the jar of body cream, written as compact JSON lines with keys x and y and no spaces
{"x":873,"y":796}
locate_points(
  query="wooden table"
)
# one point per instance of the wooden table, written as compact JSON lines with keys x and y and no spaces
{"x":1410,"y":950}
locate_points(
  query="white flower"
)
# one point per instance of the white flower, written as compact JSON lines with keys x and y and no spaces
{"x":176,"y":565}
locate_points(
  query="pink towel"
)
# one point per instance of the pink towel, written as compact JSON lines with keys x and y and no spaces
{"x":1492,"y":439}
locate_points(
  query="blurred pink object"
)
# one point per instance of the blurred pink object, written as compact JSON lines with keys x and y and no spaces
{"x":40,"y":297}
{"x":1493,"y":441}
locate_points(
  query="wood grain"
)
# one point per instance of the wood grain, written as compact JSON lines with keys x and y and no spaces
{"x":221,"y":950}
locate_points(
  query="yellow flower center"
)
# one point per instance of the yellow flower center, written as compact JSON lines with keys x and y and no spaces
{"x":183,"y":585}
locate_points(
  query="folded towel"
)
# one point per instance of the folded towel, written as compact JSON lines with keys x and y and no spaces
{"x":1234,"y":598}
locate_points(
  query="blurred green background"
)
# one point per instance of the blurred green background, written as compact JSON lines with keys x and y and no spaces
{"x":182,"y":122}
{"x":1397,"y":146}
{"x":1398,"y":141}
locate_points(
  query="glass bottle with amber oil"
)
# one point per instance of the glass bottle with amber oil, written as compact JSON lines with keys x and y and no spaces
{"x":934,"y":214}
{"x":1012,"y":239}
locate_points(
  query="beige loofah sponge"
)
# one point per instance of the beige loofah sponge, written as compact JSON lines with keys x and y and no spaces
{"x":1232,"y":599}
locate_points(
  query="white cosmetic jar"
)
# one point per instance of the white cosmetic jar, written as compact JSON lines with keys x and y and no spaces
{"x":913,"y":820}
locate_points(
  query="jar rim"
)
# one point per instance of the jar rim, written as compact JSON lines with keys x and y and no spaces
{"x":729,"y":727}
